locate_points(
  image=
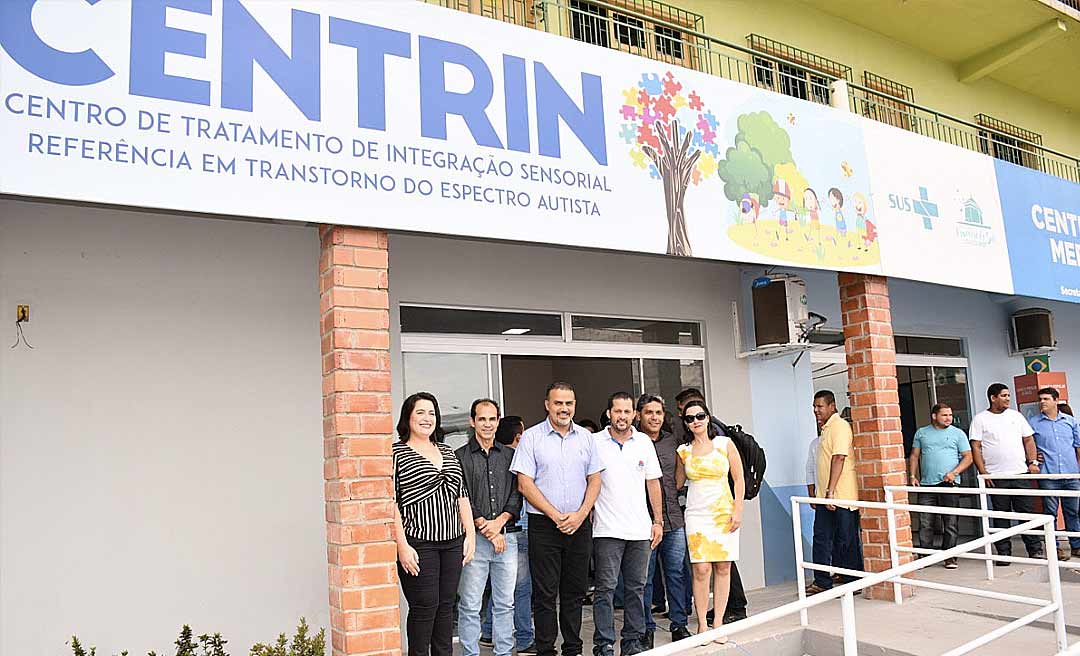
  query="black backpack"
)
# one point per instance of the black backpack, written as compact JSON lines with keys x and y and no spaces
{"x":753,"y":458}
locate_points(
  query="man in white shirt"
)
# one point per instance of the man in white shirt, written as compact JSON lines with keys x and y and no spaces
{"x":623,"y":533}
{"x":1002,"y":442}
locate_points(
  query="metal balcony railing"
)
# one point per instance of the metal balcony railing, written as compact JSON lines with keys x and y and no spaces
{"x":988,"y":137}
{"x":662,"y":32}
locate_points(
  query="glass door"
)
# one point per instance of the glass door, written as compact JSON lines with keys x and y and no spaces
{"x":456,"y":380}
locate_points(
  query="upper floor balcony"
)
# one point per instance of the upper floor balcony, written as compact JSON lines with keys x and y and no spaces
{"x":675,"y":35}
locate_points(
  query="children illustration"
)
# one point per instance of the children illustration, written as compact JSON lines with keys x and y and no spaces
{"x":749,"y":210}
{"x":836,"y":199}
{"x":782,"y":196}
{"x":813,"y":211}
{"x":866,"y":226}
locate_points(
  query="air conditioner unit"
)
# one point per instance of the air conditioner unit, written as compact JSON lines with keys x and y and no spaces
{"x":1031,"y":332}
{"x":780,"y":312}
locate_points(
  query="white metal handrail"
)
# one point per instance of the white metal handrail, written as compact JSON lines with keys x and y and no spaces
{"x":984,"y":492}
{"x":897,"y":575}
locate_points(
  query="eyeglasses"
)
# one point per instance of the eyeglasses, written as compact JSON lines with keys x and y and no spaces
{"x":701,"y":416}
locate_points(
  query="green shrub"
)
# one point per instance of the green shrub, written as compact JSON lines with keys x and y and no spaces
{"x":302,"y":644}
{"x":214,"y":645}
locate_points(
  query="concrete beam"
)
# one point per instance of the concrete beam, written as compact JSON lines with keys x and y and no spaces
{"x":988,"y":61}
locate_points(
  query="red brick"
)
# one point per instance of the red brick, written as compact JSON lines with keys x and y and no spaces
{"x":364,"y":238}
{"x":371,"y":258}
{"x":380,"y":595}
{"x":370,"y":445}
{"x":382,"y":552}
{"x":371,"y":489}
{"x":360,"y":278}
{"x":376,"y":466}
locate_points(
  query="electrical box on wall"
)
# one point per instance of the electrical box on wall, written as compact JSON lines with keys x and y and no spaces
{"x":780,"y":311}
{"x":1031,"y":332}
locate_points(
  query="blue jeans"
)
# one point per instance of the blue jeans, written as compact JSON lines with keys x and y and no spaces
{"x":1070,"y":506}
{"x":672,"y":556}
{"x":523,"y":625}
{"x":836,"y":542}
{"x":502,"y":568}
{"x":631,"y":559}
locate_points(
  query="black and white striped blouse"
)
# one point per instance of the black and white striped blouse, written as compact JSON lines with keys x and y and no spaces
{"x":428,"y":497}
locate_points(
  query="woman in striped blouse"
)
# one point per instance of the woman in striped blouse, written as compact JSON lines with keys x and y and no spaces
{"x":432,"y":525}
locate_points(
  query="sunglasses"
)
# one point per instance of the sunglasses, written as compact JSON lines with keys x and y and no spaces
{"x":701,"y":416}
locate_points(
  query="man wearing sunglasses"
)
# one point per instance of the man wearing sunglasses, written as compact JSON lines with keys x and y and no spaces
{"x":672,"y":552}
{"x":736,"y":605}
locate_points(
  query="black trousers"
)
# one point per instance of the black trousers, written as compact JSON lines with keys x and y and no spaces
{"x":1033,"y":543}
{"x":736,"y":603}
{"x":430,"y":624}
{"x":559,"y":567}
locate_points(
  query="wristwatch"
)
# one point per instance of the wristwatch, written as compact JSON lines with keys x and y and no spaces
{"x":1032,"y":462}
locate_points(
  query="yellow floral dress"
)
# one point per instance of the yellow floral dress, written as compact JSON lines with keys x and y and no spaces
{"x":709,"y":504}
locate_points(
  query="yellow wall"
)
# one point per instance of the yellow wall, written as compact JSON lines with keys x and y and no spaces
{"x":935,"y":81}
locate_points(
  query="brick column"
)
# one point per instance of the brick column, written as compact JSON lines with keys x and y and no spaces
{"x":875,"y":416}
{"x":357,"y":427}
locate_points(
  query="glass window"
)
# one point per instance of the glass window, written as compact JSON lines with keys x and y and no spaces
{"x":629,"y":31}
{"x":456,"y":380}
{"x":635,"y":331}
{"x":666,"y":378}
{"x":929,"y":346}
{"x":416,"y":319}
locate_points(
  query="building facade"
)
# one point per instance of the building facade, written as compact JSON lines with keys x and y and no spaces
{"x":239,"y":226}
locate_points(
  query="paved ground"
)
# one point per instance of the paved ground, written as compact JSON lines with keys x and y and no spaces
{"x":933,"y":622}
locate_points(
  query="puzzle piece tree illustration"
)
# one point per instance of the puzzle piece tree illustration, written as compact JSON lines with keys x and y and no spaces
{"x":673,"y":136}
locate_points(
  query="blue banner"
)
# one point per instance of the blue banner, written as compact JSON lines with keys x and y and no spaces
{"x":1042,"y":224}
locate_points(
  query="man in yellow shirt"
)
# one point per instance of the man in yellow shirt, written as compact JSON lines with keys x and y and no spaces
{"x":836,"y":526}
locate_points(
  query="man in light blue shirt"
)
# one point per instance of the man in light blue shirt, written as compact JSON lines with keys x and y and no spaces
{"x":1057,"y":438}
{"x":558,"y":472}
{"x":939,"y":454}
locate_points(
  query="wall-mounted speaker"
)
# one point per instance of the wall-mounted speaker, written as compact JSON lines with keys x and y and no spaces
{"x":1031,"y":331}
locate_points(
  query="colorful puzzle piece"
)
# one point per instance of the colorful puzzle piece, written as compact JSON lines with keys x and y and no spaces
{"x":711,"y":118}
{"x":631,"y":97}
{"x":679,"y":101}
{"x":707,"y":165}
{"x":695,"y":102}
{"x":671,"y":87}
{"x":648,"y":116}
{"x":712,"y":149}
{"x":643,"y":99}
{"x":663,"y":107}
{"x":695,"y":177}
{"x":653,"y":173}
{"x":629,"y":112}
{"x":651,"y":83}
{"x":638,"y":156}
{"x":628,"y":133}
{"x":645,"y":136}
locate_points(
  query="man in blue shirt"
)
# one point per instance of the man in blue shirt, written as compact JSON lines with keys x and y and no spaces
{"x":939,"y":454}
{"x":558,"y":473}
{"x":1057,"y":438}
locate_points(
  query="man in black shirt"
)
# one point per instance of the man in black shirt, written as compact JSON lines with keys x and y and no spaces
{"x":496,"y":507}
{"x":671,"y":553}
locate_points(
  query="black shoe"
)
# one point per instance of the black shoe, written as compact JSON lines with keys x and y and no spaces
{"x":648,"y":640}
{"x":604,"y":651}
{"x":710,"y":616}
{"x":528,"y":651}
{"x":632,"y":648}
{"x":1002,"y":563}
{"x":680,"y":633}
{"x":731,"y":618}
{"x":659,"y":608}
{"x":487,"y":641}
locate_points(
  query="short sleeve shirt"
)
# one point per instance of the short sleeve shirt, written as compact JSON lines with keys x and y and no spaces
{"x":940,"y":452}
{"x":836,"y":439}
{"x":1057,"y":441}
{"x":559,"y":465}
{"x":1002,"y":435}
{"x":811,"y":462}
{"x":622,"y":509}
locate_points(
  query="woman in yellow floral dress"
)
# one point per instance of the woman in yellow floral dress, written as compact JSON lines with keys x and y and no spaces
{"x":713,"y":513}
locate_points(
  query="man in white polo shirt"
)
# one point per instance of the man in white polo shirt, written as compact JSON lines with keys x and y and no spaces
{"x":623,"y":533}
{"x":1002,"y":442}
